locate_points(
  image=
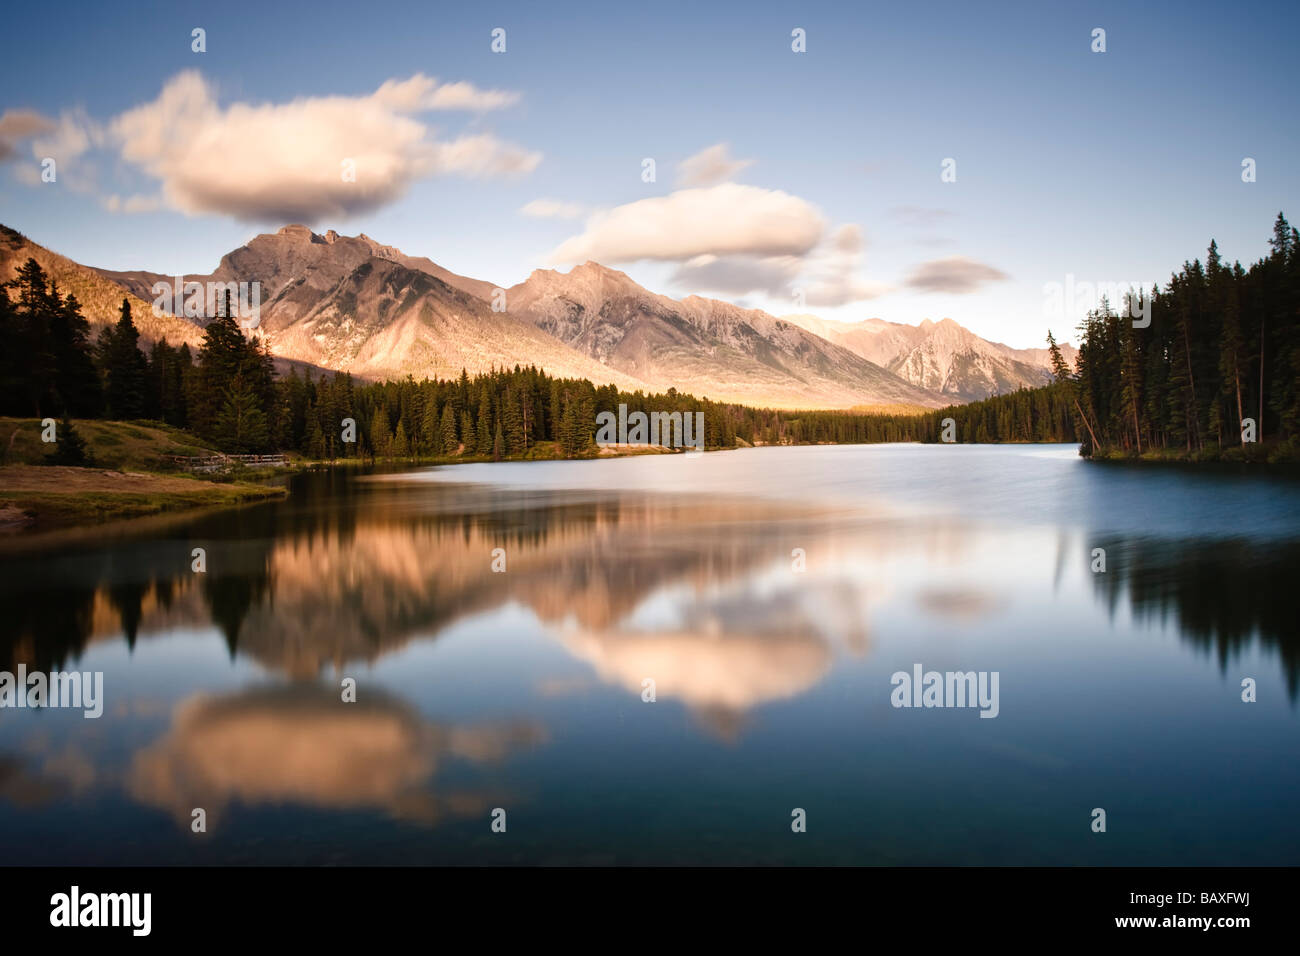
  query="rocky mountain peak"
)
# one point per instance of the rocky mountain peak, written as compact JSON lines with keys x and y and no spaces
{"x":299,"y":232}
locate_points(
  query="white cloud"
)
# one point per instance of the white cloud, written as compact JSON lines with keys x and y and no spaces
{"x":420,"y":93}
{"x":957,"y":275}
{"x":553,"y":209}
{"x":709,"y":167}
{"x":831,"y":277}
{"x":65,"y":140}
{"x":738,"y":275}
{"x":278,"y":162}
{"x":73,"y":135}
{"x":18,"y":125}
{"x":826,"y":277}
{"x":728,"y":219}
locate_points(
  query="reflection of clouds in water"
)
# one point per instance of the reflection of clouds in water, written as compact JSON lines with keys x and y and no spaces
{"x":730,"y":671}
{"x":301,"y":745}
{"x":723,"y":645}
{"x":730,"y":652}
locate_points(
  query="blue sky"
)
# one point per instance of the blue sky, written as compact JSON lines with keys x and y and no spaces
{"x":1111,"y":167}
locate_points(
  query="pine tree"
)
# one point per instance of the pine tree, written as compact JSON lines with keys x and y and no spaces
{"x":126,"y":371}
{"x":1060,"y":371}
{"x":12,"y":375}
{"x":381,"y":439}
{"x":221,"y":357}
{"x":447,"y":430}
{"x":34,"y":346}
{"x":467,"y":432}
{"x":401,"y":448}
{"x":483,"y":433}
{"x":70,"y":448}
{"x":432,"y":427}
{"x":76,"y":379}
{"x":314,"y":439}
{"x":513,"y":423}
{"x":241,"y":426}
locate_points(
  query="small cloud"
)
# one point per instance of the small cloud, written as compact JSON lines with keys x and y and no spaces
{"x":709,"y":167}
{"x":64,"y":140}
{"x":421,"y":93}
{"x":724,"y":220}
{"x":73,"y":135}
{"x":831,"y":277}
{"x":553,"y":209}
{"x":957,"y":275}
{"x":18,"y":125}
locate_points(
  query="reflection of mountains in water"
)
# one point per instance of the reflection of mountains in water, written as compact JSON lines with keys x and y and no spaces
{"x":1222,"y":594}
{"x":322,"y":581}
{"x":348,"y":571}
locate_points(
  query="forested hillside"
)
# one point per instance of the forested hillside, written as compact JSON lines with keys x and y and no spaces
{"x":1222,"y":352}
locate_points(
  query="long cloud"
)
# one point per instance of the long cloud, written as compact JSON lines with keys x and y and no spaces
{"x":728,"y":219}
{"x":274,"y":162}
{"x":957,"y":275}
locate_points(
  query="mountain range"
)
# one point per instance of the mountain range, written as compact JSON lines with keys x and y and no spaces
{"x":941,"y":357}
{"x":351,"y":303}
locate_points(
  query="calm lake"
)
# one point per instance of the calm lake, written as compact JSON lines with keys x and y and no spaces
{"x":769,"y":595}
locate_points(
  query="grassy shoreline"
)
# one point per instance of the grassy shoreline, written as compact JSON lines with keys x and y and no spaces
{"x":36,"y":498}
{"x":130,"y":476}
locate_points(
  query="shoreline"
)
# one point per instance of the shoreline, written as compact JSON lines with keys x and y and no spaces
{"x":39,"y":503}
{"x":40,"y":499}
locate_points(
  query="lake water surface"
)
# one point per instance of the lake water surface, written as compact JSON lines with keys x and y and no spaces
{"x":769,"y":595}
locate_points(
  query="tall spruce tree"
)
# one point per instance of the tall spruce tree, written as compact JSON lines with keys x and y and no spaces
{"x":126,"y":370}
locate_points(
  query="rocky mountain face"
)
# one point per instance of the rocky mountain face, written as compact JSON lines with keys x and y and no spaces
{"x":351,"y":304}
{"x":942,"y":356}
{"x":702,"y":346}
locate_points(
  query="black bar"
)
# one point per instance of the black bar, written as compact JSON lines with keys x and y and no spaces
{"x":210,"y":905}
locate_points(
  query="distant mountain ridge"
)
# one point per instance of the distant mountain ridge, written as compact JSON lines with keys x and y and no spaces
{"x":100,"y":297}
{"x":350,"y":303}
{"x":942,"y":356}
{"x":702,"y":346}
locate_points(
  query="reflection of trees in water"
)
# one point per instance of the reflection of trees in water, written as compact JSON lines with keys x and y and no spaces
{"x":45,"y":626}
{"x":53,"y":603}
{"x":1223,"y":594}
{"x":347,"y":569}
